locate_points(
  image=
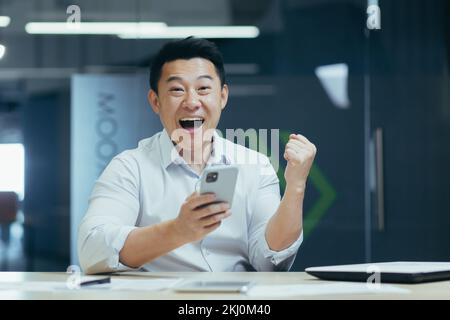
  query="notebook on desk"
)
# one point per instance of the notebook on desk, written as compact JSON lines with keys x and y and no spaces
{"x":389,"y":272}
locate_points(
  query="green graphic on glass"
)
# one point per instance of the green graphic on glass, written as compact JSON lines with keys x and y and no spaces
{"x":327,"y":194}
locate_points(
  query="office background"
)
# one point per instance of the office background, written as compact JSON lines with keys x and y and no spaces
{"x":375,"y":102}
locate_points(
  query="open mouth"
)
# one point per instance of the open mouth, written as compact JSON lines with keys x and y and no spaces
{"x":191,"y":123}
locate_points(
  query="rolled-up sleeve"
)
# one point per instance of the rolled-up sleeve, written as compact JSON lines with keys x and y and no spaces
{"x":264,"y":203}
{"x":111,"y":216}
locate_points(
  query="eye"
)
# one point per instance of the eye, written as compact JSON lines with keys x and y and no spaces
{"x":204,"y":88}
{"x":176,"y":91}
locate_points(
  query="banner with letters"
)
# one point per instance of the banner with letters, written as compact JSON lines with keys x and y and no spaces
{"x":109,"y":114}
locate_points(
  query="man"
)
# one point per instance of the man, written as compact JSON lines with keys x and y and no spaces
{"x":144,"y":211}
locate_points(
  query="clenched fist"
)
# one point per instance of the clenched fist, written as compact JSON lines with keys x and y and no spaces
{"x":299,"y":154}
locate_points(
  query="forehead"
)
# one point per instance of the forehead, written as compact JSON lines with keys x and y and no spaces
{"x":188,"y":69}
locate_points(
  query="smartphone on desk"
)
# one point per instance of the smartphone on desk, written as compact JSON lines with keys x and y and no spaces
{"x":86,"y":281}
{"x":213,"y":286}
{"x":220,"y":180}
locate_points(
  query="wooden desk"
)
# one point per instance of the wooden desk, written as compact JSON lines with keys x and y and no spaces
{"x":434,"y":290}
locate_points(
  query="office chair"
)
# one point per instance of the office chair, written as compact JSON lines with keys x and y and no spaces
{"x":9,"y":205}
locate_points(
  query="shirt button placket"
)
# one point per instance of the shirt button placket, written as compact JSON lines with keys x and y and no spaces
{"x":206,"y":253}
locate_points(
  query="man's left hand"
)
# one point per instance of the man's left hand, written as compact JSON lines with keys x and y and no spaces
{"x":299,"y":154}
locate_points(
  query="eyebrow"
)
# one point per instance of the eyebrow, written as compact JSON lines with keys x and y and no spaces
{"x":205,"y":76}
{"x":177,"y":78}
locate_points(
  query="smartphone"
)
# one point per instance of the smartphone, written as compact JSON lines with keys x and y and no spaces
{"x":92,"y":280}
{"x":220,"y":180}
{"x":213,"y":286}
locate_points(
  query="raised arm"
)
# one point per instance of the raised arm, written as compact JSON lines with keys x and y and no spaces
{"x":287,"y":223}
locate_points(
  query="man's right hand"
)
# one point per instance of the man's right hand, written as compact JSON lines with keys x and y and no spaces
{"x":199,"y":216}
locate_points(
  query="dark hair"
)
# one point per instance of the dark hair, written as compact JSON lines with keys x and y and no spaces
{"x":186,"y":49}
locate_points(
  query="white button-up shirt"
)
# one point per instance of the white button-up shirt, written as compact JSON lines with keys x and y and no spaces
{"x":148,"y":185}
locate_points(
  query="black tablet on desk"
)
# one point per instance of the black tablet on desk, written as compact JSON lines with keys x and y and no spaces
{"x":388,"y":272}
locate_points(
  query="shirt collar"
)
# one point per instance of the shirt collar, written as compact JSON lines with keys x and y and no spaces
{"x":218,"y":154}
{"x":170,"y":155}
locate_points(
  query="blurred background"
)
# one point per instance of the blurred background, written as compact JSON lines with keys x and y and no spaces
{"x":374,"y":101}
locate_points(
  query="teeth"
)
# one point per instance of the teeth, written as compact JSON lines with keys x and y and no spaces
{"x":191,"y":122}
{"x":191,"y":119}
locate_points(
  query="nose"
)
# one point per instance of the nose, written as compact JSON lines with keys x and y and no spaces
{"x":191,"y":102}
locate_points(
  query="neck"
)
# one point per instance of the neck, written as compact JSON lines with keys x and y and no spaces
{"x":198,"y":157}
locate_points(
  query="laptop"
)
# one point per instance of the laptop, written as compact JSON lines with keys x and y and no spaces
{"x":387,"y":272}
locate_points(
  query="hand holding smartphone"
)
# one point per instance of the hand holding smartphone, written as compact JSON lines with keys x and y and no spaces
{"x":203,"y":211}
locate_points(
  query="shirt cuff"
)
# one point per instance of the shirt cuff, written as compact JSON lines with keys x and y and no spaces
{"x":117,"y":245}
{"x":276,"y":257}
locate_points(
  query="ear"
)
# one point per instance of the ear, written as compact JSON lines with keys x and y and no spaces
{"x":224,"y":96}
{"x":153,"y":100}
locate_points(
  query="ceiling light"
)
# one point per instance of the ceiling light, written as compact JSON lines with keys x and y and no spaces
{"x":4,"y":21}
{"x":103,"y":28}
{"x":196,"y":31}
